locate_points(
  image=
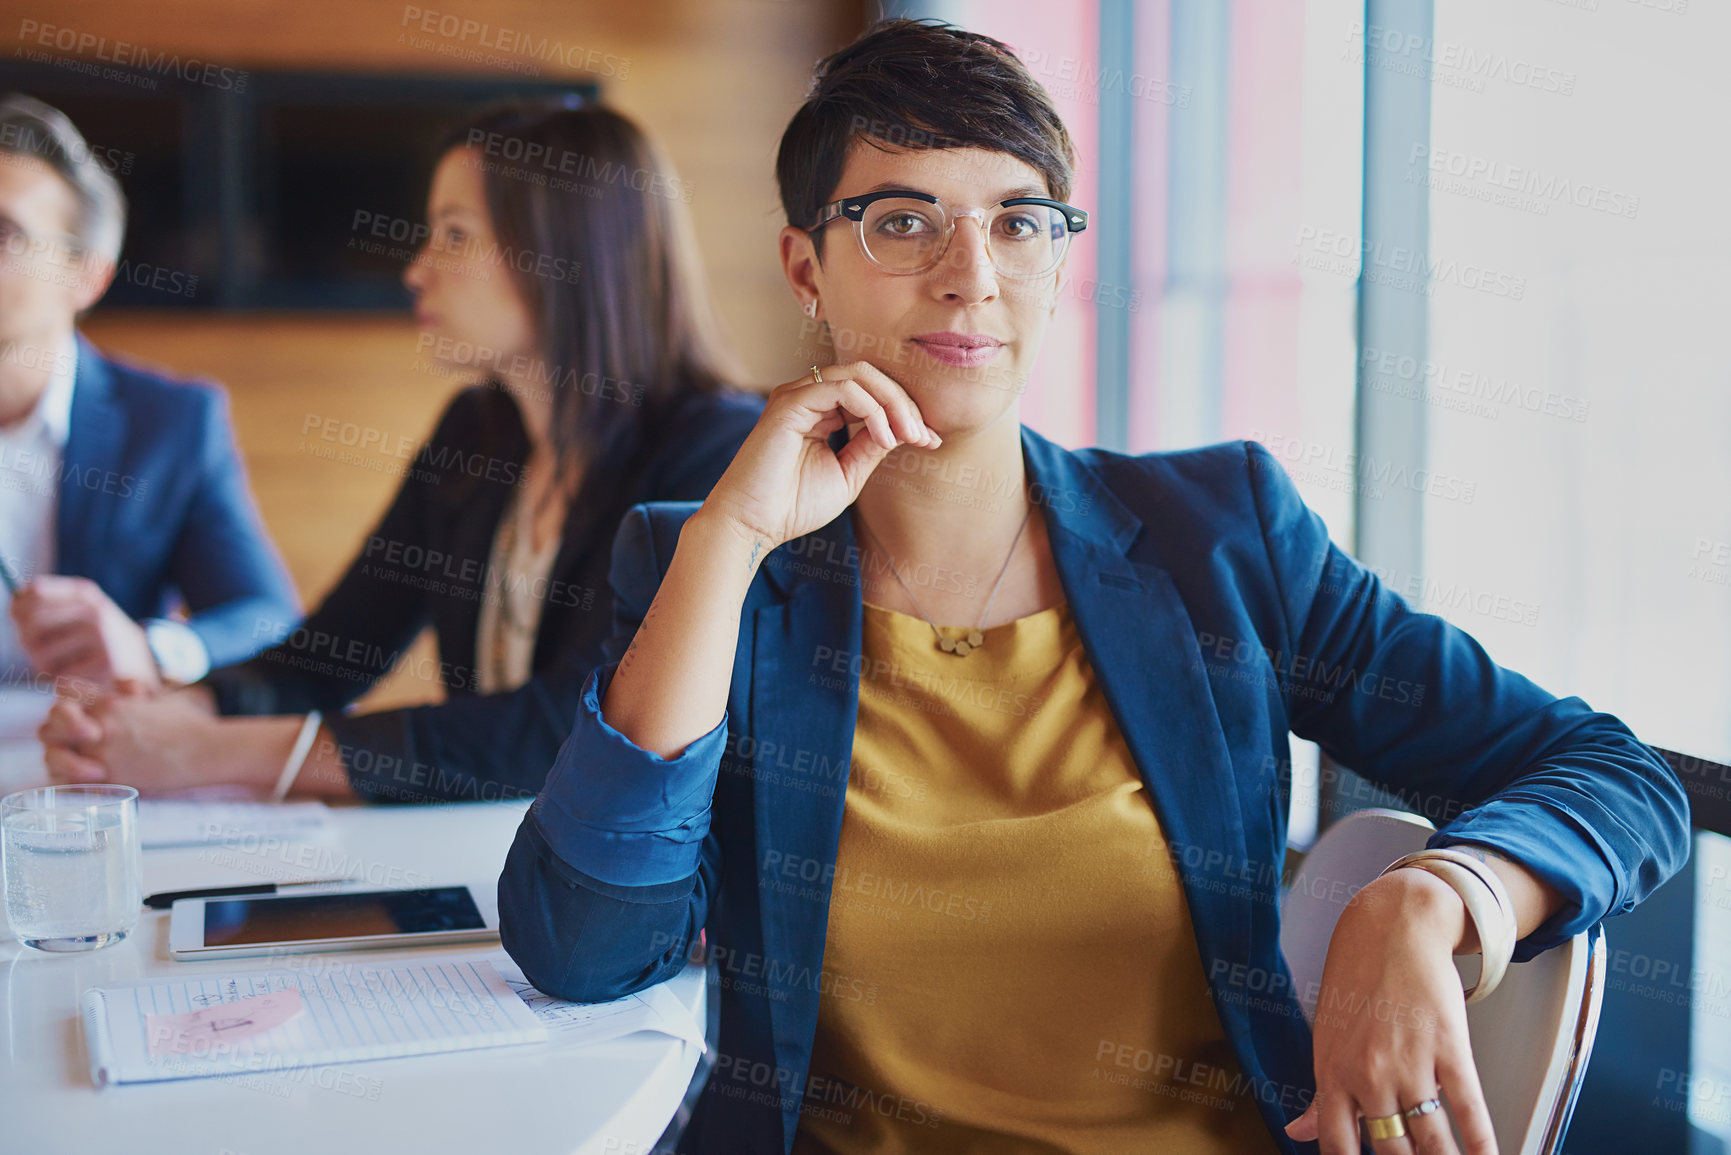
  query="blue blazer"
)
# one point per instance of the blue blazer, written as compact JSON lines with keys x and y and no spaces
{"x":1218,"y":617}
{"x":155,"y":509}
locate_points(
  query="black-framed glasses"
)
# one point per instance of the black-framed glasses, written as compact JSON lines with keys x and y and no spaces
{"x":902,"y":231}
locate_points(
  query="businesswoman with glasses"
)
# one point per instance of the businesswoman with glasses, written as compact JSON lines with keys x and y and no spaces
{"x":967,"y":753}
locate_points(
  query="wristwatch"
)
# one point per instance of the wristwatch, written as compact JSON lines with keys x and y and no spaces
{"x":179,"y":652}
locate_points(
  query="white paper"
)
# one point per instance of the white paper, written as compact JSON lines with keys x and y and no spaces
{"x":198,"y":822}
{"x":656,"y":1009}
{"x":354,"y":1011}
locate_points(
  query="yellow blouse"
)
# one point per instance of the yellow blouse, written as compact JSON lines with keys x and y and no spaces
{"x":1029,"y":973}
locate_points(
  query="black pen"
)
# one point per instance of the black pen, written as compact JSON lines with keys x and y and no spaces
{"x":168,"y":897}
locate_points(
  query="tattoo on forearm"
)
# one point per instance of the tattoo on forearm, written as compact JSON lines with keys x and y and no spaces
{"x":642,"y":627}
{"x":756,"y":552}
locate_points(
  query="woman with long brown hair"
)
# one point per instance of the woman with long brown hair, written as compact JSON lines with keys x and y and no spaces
{"x":559,"y":271}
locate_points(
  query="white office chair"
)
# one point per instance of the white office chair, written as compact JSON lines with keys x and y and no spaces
{"x":1531,"y":1038}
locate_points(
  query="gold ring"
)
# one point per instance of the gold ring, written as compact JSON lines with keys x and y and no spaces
{"x":817,"y":378}
{"x":1423,"y":1109}
{"x":1386,"y":1126}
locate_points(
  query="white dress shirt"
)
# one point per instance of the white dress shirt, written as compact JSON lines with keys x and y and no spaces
{"x":30,"y":458}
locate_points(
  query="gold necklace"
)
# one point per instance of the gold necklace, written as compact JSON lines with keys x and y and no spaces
{"x":974,"y":638}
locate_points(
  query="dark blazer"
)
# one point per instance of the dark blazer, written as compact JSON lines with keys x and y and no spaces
{"x":155,"y":508}
{"x":427,"y":562}
{"x":1218,"y":616}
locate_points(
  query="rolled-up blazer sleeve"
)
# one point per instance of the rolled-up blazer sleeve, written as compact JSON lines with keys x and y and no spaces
{"x":1410,"y":701}
{"x":610,"y":876}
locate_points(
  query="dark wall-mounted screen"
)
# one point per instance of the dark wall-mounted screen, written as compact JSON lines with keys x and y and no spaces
{"x":249,"y":199}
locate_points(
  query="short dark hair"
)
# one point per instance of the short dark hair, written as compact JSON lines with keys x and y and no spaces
{"x":918,"y":84}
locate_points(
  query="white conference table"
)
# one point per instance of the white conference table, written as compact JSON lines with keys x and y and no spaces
{"x":614,"y":1097}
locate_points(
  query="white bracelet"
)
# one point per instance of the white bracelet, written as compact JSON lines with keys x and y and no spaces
{"x":1494,"y":920}
{"x":297,"y":756}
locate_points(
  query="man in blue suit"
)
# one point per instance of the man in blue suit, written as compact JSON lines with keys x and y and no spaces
{"x":122,"y":496}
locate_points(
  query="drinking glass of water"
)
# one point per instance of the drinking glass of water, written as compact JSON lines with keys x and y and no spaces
{"x":72,"y":871}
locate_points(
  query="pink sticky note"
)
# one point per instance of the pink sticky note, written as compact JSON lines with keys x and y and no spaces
{"x":219,"y":1027}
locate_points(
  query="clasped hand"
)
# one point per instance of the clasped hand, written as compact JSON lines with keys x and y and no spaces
{"x":151,"y":740}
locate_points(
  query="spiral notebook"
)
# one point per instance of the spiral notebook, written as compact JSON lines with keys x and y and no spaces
{"x":317,"y":1013}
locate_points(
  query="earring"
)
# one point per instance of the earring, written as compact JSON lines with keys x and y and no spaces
{"x":810,"y":309}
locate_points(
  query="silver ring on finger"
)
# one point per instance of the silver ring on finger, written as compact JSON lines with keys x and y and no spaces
{"x":1420,"y":1110}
